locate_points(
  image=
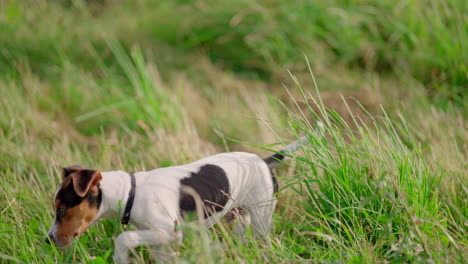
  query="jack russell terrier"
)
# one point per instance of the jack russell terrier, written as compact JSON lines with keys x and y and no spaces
{"x":156,"y":201}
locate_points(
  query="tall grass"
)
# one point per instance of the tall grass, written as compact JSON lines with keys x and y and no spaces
{"x":370,"y":195}
{"x":136,"y":85}
{"x":360,"y":195}
{"x":424,"y":39}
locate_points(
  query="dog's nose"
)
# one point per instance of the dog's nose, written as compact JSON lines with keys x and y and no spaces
{"x":50,"y":239}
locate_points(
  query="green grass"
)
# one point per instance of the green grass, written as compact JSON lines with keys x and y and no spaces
{"x":423,"y":39}
{"x":137,"y":85}
{"x":370,"y":195}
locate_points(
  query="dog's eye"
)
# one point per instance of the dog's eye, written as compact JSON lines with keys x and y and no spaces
{"x":61,"y":211}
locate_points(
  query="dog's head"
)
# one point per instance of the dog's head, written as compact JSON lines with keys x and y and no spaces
{"x":76,"y":204}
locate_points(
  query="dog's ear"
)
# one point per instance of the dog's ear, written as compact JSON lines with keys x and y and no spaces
{"x":84,"y":179}
{"x":70,"y":169}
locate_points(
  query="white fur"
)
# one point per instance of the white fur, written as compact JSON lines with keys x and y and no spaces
{"x":156,"y":206}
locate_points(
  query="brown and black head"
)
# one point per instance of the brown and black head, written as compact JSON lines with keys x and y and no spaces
{"x":76,"y":204}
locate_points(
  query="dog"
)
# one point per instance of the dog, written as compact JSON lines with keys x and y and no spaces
{"x":156,"y":201}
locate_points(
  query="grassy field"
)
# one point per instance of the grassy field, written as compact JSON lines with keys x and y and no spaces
{"x":136,"y":85}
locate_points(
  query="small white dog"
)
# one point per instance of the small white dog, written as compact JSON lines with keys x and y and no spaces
{"x":156,"y":201}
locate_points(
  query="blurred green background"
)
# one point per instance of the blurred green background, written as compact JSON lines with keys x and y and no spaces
{"x":135,"y":85}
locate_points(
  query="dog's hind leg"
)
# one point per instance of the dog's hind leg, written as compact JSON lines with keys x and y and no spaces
{"x":241,"y":220}
{"x":261,"y":217}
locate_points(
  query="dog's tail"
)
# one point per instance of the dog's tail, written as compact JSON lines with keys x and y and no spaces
{"x":276,"y":159}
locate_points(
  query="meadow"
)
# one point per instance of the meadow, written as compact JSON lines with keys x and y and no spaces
{"x":136,"y":85}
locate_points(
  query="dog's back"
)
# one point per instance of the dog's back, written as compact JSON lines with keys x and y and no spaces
{"x":222,"y":181}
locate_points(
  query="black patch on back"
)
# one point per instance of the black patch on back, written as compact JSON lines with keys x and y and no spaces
{"x":212,"y":184}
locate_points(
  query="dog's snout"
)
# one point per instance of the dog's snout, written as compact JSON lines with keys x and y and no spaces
{"x":49,"y":239}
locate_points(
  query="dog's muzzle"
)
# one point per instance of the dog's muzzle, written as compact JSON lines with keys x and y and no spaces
{"x":50,"y":239}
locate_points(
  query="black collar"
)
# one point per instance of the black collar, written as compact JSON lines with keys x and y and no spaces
{"x":131,"y":197}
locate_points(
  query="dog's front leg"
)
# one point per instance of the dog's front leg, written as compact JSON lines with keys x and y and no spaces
{"x":132,"y":239}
